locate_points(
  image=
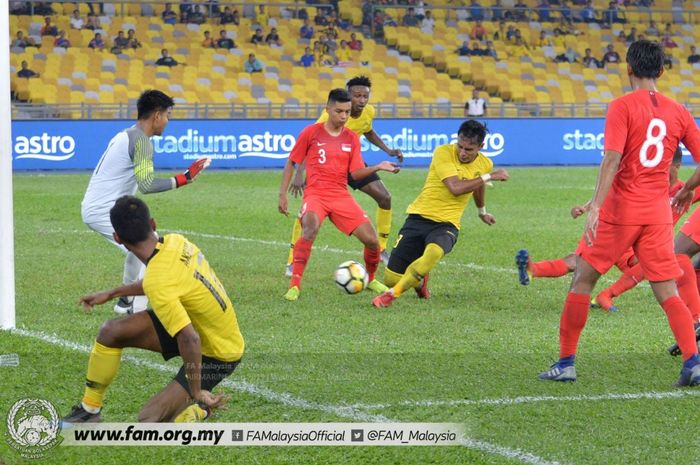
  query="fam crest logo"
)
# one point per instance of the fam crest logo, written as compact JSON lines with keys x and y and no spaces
{"x":33,"y":427}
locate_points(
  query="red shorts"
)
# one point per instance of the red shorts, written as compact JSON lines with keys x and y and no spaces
{"x":652,"y":244}
{"x":626,"y":261}
{"x":341,"y":208}
{"x":691,"y":227}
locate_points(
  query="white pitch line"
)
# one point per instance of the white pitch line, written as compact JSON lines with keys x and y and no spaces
{"x":292,"y":401}
{"x":653,"y":395}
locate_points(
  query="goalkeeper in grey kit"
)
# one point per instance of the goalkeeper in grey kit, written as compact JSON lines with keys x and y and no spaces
{"x":125,"y":167}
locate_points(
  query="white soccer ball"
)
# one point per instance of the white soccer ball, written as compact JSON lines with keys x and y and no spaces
{"x":351,"y":277}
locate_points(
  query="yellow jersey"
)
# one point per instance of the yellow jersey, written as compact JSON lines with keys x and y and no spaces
{"x":360,"y":125}
{"x":182,"y":289}
{"x":435,"y":201}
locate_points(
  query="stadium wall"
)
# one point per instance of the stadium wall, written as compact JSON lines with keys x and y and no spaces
{"x":78,"y":145}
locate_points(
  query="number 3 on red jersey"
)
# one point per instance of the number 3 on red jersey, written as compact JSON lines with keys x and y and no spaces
{"x":655,"y":141}
{"x":322,"y":153}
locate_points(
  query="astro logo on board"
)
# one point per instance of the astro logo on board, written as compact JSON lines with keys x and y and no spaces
{"x":44,"y":147}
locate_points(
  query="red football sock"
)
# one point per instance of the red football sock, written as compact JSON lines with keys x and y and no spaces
{"x":573,"y":319}
{"x":627,"y":281}
{"x":681,"y":324}
{"x":302,"y":252}
{"x":549,"y":269}
{"x":688,"y":286}
{"x":372,"y":257}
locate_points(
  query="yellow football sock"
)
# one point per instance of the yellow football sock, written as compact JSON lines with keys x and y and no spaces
{"x":391,"y":277}
{"x":383,"y":226}
{"x":418,"y":269}
{"x":191,"y":414}
{"x":102,"y":368}
{"x":296,"y":234}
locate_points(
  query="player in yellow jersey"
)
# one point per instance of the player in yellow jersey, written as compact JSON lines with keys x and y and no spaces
{"x":457,"y":172}
{"x":360,"y":122}
{"x":192,"y":317}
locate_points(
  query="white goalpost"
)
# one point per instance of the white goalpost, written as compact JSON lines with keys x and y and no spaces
{"x":7,"y":253}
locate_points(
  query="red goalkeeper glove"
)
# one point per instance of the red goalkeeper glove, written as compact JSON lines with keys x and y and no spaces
{"x":194,"y":169}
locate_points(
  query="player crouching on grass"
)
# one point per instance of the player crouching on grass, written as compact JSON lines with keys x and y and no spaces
{"x":457,"y":172}
{"x":330,"y":151}
{"x":192,"y":317}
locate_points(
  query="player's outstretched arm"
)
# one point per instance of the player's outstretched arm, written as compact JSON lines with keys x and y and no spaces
{"x":99,"y":298}
{"x":363,"y":172}
{"x":458,"y":186}
{"x":608,"y":168}
{"x":374,"y":139}
{"x":282,"y":201}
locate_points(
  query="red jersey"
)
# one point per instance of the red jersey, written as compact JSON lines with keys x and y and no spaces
{"x":328,"y":158}
{"x":646,"y":128}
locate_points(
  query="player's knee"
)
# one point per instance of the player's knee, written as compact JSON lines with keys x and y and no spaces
{"x":108,"y":334}
{"x":310,"y":233}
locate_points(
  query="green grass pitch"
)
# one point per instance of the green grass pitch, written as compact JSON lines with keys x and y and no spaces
{"x":470,"y":355}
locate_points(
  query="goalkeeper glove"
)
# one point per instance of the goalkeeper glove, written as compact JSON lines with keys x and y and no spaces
{"x":194,"y":169}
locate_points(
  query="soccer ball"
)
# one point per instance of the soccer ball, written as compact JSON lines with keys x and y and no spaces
{"x":351,"y":277}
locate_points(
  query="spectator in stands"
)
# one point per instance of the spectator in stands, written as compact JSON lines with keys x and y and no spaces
{"x":307,"y":30}
{"x":354,"y":43}
{"x":166,"y":60}
{"x":331,"y":31}
{"x":668,"y":60}
{"x":490,"y":51}
{"x":476,"y":11}
{"x":319,"y":50}
{"x":632,"y":36}
{"x":420,"y":10}
{"x":378,"y":23}
{"x":196,"y":16}
{"x":510,"y":34}
{"x":61,"y":40}
{"x":22,"y":42}
{"x":273,"y":38}
{"x":410,"y":19}
{"x":344,"y":25}
{"x":653,"y":29}
{"x":43,"y":9}
{"x":669,"y":29}
{"x":611,"y":56}
{"x":544,"y":11}
{"x":476,"y":106}
{"x":428,"y":23}
{"x":212,"y":8}
{"x":500,"y":33}
{"x":320,"y":19}
{"x":20,"y":8}
{"x":476,"y":50}
{"x":343,"y":54}
{"x":224,"y":41}
{"x":693,"y":57}
{"x":49,"y":29}
{"x":519,"y":48}
{"x":308,"y":58}
{"x":622,"y":37}
{"x":258,"y":37}
{"x":261,"y":16}
{"x":612,"y":14}
{"x":478,"y":31}
{"x":565,"y":12}
{"x":571,"y":55}
{"x":97,"y":43}
{"x":208,"y":41}
{"x":226,"y":17}
{"x":668,"y":42}
{"x":558,"y":40}
{"x":464,"y":50}
{"x":93,"y":23}
{"x":76,"y":22}
{"x":101,"y":6}
{"x":168,"y":15}
{"x":588,"y":13}
{"x":25,"y":72}
{"x":121,"y":42}
{"x":253,"y":65}
{"x":133,"y":41}
{"x":497,"y":11}
{"x":543,"y":40}
{"x":520,"y":11}
{"x":589,"y":61}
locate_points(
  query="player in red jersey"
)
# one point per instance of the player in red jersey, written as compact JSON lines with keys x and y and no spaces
{"x":330,"y":151}
{"x":630,"y":208}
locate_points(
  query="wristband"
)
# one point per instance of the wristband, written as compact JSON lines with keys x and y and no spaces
{"x":482,"y":211}
{"x":486,"y":177}
{"x":181,"y":180}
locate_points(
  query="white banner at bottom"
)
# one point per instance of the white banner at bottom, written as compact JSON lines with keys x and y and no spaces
{"x":263,"y":434}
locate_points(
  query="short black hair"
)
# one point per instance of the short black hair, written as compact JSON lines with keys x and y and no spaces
{"x":131,"y":219}
{"x":338,"y":95}
{"x":677,"y":157}
{"x":473,"y":130}
{"x":646,"y":58}
{"x":151,"y":101}
{"x":359,"y":81}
